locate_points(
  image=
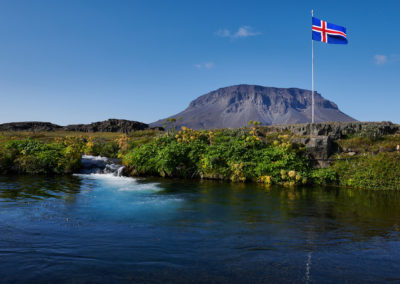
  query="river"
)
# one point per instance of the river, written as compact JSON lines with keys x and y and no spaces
{"x":102,"y":228}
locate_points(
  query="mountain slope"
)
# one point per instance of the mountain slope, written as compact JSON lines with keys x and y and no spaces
{"x":234,"y":106}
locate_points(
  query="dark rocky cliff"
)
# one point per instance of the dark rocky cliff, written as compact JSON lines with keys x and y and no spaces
{"x":110,"y":125}
{"x":36,"y":126}
{"x":320,"y":138}
{"x":234,"y":106}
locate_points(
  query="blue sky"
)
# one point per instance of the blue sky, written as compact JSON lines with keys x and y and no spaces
{"x":89,"y":60}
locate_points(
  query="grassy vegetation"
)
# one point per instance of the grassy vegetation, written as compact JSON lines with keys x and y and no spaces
{"x":258,"y":155}
{"x":377,"y":171}
{"x":33,"y":157}
{"x":239,"y":155}
{"x":376,"y":163}
{"x":360,"y":144}
{"x":51,"y":136}
{"x":60,"y":152}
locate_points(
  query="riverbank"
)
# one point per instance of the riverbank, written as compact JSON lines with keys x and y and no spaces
{"x":361,"y":155}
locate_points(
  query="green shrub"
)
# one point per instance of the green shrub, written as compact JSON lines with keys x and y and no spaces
{"x":143,"y":159}
{"x":224,"y":154}
{"x":380,"y":171}
{"x":6,"y":160}
{"x":105,"y":148}
{"x":324,"y":176}
{"x":34,"y":157}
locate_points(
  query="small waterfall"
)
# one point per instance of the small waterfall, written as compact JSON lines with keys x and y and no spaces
{"x":101,"y":165}
{"x":109,"y":173}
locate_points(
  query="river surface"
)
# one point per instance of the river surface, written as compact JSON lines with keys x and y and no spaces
{"x":99,"y":228}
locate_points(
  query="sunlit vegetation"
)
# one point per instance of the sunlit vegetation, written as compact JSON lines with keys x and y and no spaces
{"x":60,"y":152}
{"x":377,"y":171}
{"x":33,"y":157}
{"x":375,"y":164}
{"x":239,"y":155}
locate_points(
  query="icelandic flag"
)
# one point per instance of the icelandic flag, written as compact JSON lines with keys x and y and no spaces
{"x":327,"y":32}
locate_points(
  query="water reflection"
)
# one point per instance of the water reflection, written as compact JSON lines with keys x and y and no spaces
{"x":363,"y":213}
{"x":31,"y":188}
{"x":317,"y":209}
{"x":172,"y":230}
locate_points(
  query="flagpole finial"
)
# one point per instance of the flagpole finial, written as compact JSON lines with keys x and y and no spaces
{"x":312,"y":13}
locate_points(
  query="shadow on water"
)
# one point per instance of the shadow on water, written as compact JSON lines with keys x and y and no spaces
{"x":30,"y":188}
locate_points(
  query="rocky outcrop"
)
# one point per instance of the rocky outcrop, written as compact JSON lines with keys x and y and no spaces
{"x":338,"y":130}
{"x":35,"y":126}
{"x":234,"y":106}
{"x":111,"y":125}
{"x":319,"y":149}
{"x":319,"y":138}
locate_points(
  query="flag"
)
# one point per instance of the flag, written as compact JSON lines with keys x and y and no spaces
{"x":327,"y":32}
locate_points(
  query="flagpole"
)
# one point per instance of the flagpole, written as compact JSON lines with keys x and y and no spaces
{"x":312,"y":75}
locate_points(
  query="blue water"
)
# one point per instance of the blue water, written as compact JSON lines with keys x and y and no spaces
{"x":106,"y":229}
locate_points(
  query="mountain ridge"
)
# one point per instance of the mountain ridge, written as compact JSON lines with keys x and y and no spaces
{"x":234,"y":106}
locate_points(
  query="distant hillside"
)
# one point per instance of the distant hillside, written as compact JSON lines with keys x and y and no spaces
{"x":29,"y":126}
{"x":110,"y":125}
{"x":234,"y":106}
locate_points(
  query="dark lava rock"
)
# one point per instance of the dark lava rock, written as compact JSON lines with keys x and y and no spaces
{"x":157,"y":128}
{"x":319,"y":148}
{"x":110,"y":125}
{"x":36,"y":126}
{"x":338,"y":130}
{"x":319,"y":138}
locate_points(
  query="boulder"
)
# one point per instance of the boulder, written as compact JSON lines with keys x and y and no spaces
{"x":319,"y":148}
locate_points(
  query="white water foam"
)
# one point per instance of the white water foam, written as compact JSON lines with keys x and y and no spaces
{"x":121,"y":183}
{"x":108,"y":172}
{"x":98,"y":164}
{"x":95,"y":158}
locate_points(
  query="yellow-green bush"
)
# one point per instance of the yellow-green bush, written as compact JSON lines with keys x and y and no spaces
{"x":34,"y":157}
{"x":223,"y":154}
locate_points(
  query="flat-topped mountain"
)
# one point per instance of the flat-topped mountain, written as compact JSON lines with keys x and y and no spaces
{"x":234,"y":106}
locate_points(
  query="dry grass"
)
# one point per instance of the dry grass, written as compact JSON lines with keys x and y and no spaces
{"x":387,"y":143}
{"x":50,"y":136}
